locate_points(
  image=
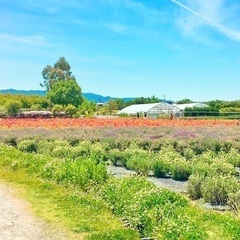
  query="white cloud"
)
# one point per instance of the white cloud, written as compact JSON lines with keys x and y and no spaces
{"x":30,"y":40}
{"x":198,"y":14}
{"x":116,"y":27}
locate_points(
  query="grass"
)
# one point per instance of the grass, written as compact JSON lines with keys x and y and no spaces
{"x":80,"y":216}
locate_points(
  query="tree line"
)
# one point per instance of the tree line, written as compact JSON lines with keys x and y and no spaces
{"x":64,"y":96}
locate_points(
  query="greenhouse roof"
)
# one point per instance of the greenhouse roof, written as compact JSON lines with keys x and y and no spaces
{"x":190,"y":105}
{"x":137,"y":108}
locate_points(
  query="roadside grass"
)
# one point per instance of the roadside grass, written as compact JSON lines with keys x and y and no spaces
{"x":78,"y":215}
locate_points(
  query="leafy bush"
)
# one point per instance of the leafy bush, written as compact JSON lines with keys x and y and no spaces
{"x":27,"y":146}
{"x":70,"y":110}
{"x":234,"y":201}
{"x":217,"y":188}
{"x":81,"y":172}
{"x":13,"y":107}
{"x":194,"y":186}
{"x":115,"y":155}
{"x":140,"y":162}
{"x":57,"y":109}
{"x":160,"y":167}
{"x":149,"y":209}
{"x":181,"y":169}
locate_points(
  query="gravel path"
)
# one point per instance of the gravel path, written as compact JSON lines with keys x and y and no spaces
{"x":17,"y":222}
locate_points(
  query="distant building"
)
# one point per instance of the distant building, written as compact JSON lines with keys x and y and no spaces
{"x":150,"y":109}
{"x":183,"y":106}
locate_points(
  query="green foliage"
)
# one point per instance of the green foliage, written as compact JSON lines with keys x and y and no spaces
{"x":13,"y":108}
{"x":216,"y":189}
{"x":70,"y":110}
{"x":59,"y":72}
{"x":57,"y":109}
{"x":36,"y":107}
{"x":181,"y":169}
{"x":140,"y":161}
{"x":194,"y":186}
{"x":27,"y":146}
{"x":81,"y":172}
{"x":161,"y":168}
{"x":65,"y":92}
{"x":87,"y":108}
{"x":183,"y":101}
{"x":234,"y":201}
{"x":149,"y":209}
{"x":125,"y":234}
{"x":27,"y":102}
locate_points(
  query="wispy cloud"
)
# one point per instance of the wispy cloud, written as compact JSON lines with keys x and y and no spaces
{"x":30,"y":40}
{"x":209,"y":13}
{"x":117,"y":27}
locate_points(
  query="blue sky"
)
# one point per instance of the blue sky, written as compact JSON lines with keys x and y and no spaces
{"x":125,"y":48}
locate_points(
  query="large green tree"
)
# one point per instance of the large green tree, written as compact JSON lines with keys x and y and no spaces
{"x":65,"y":92}
{"x":61,"y":86}
{"x":59,"y":72}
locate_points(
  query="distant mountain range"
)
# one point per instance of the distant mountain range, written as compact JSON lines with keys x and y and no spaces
{"x":89,"y":96}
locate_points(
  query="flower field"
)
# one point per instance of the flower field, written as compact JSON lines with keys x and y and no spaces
{"x":76,"y":153}
{"x":111,"y":122}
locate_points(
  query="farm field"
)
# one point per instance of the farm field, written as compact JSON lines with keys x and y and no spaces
{"x":73,"y":154}
{"x":110,"y":122}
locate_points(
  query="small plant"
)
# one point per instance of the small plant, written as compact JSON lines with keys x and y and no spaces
{"x":194,"y":186}
{"x":160,"y":168}
{"x":57,"y":109}
{"x":27,"y":146}
{"x":234,"y":201}
{"x":70,"y":110}
{"x":181,"y":169}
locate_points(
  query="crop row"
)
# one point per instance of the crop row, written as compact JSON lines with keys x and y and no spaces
{"x":153,"y":212}
{"x":213,"y":173}
{"x":110,"y":122}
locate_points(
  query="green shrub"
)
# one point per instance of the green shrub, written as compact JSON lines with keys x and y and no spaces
{"x":234,"y":201}
{"x":45,"y":147}
{"x":115,"y":156}
{"x":194,"y":186}
{"x":233,"y":157}
{"x":36,"y":107}
{"x":160,"y":167}
{"x":140,"y":162}
{"x":98,"y":152}
{"x":181,"y":169}
{"x":57,"y":109}
{"x":215,"y":189}
{"x":27,"y":146}
{"x":13,"y":107}
{"x":140,"y":202}
{"x":81,"y":172}
{"x":70,"y":110}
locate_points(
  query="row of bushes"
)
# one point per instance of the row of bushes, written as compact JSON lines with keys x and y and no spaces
{"x":212,"y":176}
{"x":151,"y":211}
{"x":14,"y":109}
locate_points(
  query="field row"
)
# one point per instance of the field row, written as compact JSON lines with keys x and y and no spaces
{"x":110,"y":122}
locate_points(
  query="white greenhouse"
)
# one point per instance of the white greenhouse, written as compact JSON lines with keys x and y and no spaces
{"x":150,"y":109}
{"x":183,"y":106}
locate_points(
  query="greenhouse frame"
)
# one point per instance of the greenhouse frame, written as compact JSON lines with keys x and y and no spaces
{"x":150,"y":109}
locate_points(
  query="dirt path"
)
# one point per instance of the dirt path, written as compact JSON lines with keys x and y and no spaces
{"x":17,"y":222}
